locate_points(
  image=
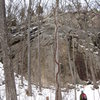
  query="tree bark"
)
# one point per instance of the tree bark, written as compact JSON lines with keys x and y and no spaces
{"x":74,"y":68}
{"x":69,"y":60}
{"x":8,"y":68}
{"x":91,"y":66}
{"x":39,"y":66}
{"x":57,"y":67}
{"x":29,"y":51}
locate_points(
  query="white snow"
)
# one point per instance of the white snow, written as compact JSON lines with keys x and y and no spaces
{"x":81,"y":46}
{"x":87,"y":49}
{"x":92,"y":94}
{"x":96,"y":52}
{"x":91,"y":49}
{"x":91,"y":44}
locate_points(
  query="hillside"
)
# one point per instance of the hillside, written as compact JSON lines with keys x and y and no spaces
{"x":83,"y":45}
{"x":49,"y":49}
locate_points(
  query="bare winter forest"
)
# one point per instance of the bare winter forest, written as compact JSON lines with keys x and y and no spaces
{"x":50,"y":43}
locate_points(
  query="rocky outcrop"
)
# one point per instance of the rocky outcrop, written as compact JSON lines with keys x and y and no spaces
{"x":47,"y":63}
{"x":18,"y":44}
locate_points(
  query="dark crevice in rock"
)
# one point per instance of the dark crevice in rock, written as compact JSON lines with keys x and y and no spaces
{"x":80,"y":66}
{"x":15,"y":42}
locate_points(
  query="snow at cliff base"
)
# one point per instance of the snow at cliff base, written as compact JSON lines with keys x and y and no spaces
{"x":92,"y":94}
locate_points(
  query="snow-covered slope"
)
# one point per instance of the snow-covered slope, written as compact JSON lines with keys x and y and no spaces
{"x":69,"y":95}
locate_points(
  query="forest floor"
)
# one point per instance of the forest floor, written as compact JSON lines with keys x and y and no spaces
{"x":92,"y":94}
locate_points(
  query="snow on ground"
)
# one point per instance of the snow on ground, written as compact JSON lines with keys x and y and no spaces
{"x":92,"y":94}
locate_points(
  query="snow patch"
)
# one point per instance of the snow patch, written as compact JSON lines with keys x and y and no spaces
{"x":92,"y":94}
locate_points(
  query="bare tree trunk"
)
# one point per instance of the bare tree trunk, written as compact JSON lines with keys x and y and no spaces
{"x":91,"y":66}
{"x":69,"y":59}
{"x":29,"y":51}
{"x":8,"y":68}
{"x":74,"y":69}
{"x":87,"y":74}
{"x":57,"y":69}
{"x":22,"y":61}
{"x":22,"y":44}
{"x":92,"y":70}
{"x":39,"y":67}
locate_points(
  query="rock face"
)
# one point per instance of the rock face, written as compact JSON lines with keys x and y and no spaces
{"x":18,"y":45}
{"x":47,"y":62}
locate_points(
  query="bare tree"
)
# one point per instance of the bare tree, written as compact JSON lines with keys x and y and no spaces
{"x":8,"y":68}
{"x":73,"y":44}
{"x":72,"y":64}
{"x":91,"y":65}
{"x":29,"y":50}
{"x":69,"y":58}
{"x":22,"y":18}
{"x":57,"y":69}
